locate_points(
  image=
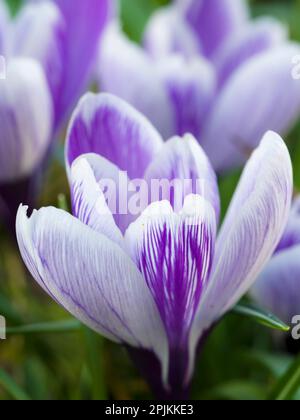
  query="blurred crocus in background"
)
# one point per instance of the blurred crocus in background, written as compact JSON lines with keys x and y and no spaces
{"x":3,"y":27}
{"x":49,"y":49}
{"x":277,"y":287}
{"x":207,"y":69}
{"x":26,"y":119}
{"x":159,"y":282}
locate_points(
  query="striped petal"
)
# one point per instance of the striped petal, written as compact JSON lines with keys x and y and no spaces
{"x":191,"y":87}
{"x":91,"y":277}
{"x":182,"y":161}
{"x":250,"y":233}
{"x":174,"y":253}
{"x":106,"y":125}
{"x":88,"y":201}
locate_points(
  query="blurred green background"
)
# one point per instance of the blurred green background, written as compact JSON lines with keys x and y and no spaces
{"x":241,"y":360}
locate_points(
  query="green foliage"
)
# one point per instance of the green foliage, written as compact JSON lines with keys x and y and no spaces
{"x":261,"y":316}
{"x":14,"y":5}
{"x":289,"y":384}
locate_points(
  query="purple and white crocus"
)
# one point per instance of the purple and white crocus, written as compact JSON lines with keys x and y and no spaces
{"x":278,"y":286}
{"x":159,"y":281}
{"x":213,"y":71}
{"x":49,"y":50}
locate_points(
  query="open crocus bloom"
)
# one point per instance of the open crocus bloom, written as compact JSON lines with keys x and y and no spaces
{"x":277,"y":287}
{"x":158,"y":280}
{"x":215,"y":72}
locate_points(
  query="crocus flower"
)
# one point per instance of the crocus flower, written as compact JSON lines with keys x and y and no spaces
{"x":159,"y":281}
{"x":63,"y":35}
{"x":277,"y":287}
{"x":59,"y":39}
{"x":26,"y":119}
{"x":213,"y":71}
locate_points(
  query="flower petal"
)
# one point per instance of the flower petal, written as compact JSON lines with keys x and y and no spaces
{"x":174,"y":253}
{"x":252,"y":228}
{"x":25,"y":130}
{"x":114,"y":184}
{"x":191,"y":87}
{"x":261,"y":95}
{"x":256,"y":38}
{"x":91,"y":277}
{"x":291,"y":236}
{"x":182,"y":159}
{"x":4,"y":23}
{"x":122,"y":61}
{"x":167,"y":33}
{"x":215,"y":20}
{"x":84,"y":23}
{"x":105,"y":125}
{"x":39,"y":32}
{"x":277,"y":287}
{"x":88,"y":201}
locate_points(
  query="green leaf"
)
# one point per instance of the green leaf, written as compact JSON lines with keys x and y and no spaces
{"x":135,"y":15}
{"x":62,"y":202}
{"x":94,"y":349}
{"x":276,"y":364}
{"x":12,"y":387}
{"x":289,"y":384}
{"x":14,"y":5}
{"x":65,"y":326}
{"x":237,"y":390}
{"x":261,"y":316}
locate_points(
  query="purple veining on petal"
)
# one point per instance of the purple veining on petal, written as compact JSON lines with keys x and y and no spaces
{"x":174,"y":275}
{"x":62,"y":254}
{"x":182,"y":159}
{"x":174,"y":254}
{"x":108,"y":126}
{"x":88,"y":201}
{"x":191,"y":87}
